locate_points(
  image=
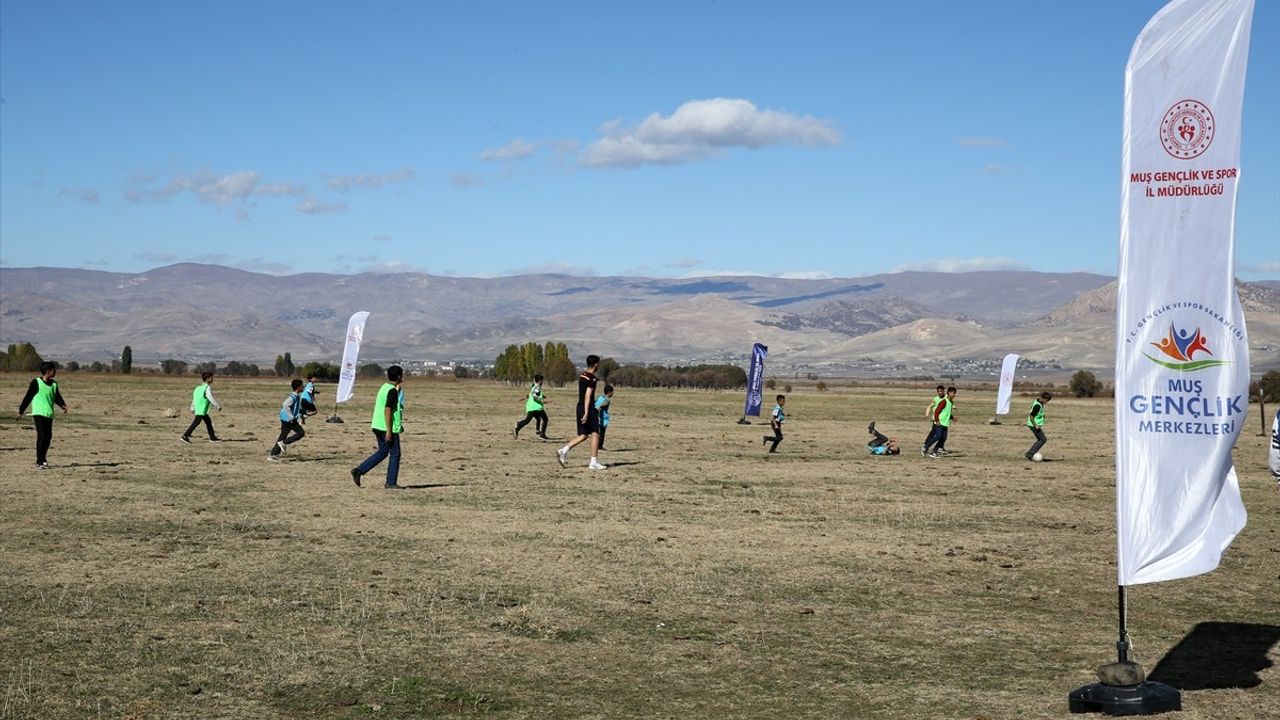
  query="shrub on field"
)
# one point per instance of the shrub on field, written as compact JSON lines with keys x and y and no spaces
{"x":1084,"y":384}
{"x":21,"y":356}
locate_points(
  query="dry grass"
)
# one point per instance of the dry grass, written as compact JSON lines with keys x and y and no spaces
{"x":697,"y":578}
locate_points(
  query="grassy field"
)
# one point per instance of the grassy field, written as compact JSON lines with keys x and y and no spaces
{"x":695,"y":578}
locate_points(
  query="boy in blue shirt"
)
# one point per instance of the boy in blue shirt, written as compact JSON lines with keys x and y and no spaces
{"x":290,"y":412}
{"x":602,"y":409}
{"x":779,"y":417}
{"x":309,"y":398}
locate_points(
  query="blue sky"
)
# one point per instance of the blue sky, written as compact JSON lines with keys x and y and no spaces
{"x":659,"y":138}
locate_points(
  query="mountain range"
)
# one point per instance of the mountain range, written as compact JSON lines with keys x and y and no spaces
{"x":874,"y":324}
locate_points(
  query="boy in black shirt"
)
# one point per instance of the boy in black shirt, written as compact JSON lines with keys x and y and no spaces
{"x":588,"y":418}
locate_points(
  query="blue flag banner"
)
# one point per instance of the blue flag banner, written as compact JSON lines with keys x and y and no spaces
{"x":755,"y":380}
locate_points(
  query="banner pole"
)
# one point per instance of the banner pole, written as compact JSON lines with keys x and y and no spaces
{"x":1122,"y":645}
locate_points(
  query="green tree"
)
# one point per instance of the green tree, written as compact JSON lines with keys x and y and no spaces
{"x":73,"y":366}
{"x":1084,"y":384}
{"x":461,"y":371}
{"x":284,"y":365}
{"x":126,"y":360}
{"x":560,"y":370}
{"x":170,"y":366}
{"x":21,"y":356}
{"x":370,"y":370}
{"x":607,"y":366}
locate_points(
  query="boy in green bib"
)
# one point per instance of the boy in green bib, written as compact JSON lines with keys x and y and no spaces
{"x":534,"y":410}
{"x":1035,"y":422}
{"x":386,"y":424}
{"x":42,"y":395}
{"x":201,"y":399}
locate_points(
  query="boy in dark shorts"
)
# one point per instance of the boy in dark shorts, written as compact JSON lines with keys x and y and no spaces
{"x":290,"y":413}
{"x":201,"y":400}
{"x":603,"y":405}
{"x":309,"y":398}
{"x":779,"y":416}
{"x":534,"y":410}
{"x":588,"y":419}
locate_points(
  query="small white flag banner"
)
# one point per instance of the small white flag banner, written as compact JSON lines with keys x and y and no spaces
{"x":1005,"y":395}
{"x":350,"y":355}
{"x":1182,"y":353}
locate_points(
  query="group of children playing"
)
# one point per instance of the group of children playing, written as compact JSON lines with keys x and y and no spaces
{"x":592,"y":414}
{"x":941,"y":413}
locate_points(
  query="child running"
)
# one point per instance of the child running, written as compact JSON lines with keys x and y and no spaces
{"x":388,"y":412}
{"x":603,"y":405}
{"x":945,"y":418}
{"x":932,"y":415}
{"x":533,"y":410}
{"x":309,"y":398}
{"x":588,"y":419}
{"x":290,"y":412}
{"x":201,"y":399}
{"x":779,"y":416}
{"x":42,"y":395}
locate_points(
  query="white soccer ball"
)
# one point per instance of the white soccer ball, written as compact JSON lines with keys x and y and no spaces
{"x":1037,"y":457}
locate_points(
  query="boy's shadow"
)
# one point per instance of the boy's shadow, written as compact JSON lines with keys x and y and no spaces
{"x":624,"y":463}
{"x":428,"y":486}
{"x":1218,"y":655}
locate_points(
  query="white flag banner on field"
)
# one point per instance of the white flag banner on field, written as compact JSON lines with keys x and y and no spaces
{"x":1005,"y":395}
{"x":350,"y":355}
{"x":1182,"y":354}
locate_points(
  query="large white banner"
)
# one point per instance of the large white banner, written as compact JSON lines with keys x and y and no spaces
{"x":1005,"y":395}
{"x":350,"y":354}
{"x":1182,"y":355}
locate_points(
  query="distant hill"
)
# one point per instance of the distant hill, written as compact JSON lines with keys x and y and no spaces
{"x":208,"y":312}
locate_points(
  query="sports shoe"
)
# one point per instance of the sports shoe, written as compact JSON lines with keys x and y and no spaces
{"x":283,"y":448}
{"x":515,"y":433}
{"x":563,"y":456}
{"x":543,"y":436}
{"x":872,"y":427}
{"x":215,"y":440}
{"x":934,"y":454}
{"x":355,"y":476}
{"x":42,"y":466}
{"x":924,"y":450}
{"x":942,"y":451}
{"x":185,"y":439}
{"x":273,"y":458}
{"x":393,"y":487}
{"x":595,"y":465}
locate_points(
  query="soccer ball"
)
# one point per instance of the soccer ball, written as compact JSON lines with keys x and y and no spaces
{"x":1037,"y":457}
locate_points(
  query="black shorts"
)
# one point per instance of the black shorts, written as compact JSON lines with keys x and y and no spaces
{"x":307,"y":407}
{"x":592,"y":425}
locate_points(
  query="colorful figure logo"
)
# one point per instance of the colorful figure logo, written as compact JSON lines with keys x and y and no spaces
{"x":1182,"y":346}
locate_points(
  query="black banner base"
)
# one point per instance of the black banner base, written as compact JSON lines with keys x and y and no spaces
{"x":334,"y":419}
{"x":1149,"y":698}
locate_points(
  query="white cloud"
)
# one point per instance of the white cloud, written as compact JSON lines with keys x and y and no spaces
{"x":85,"y":195}
{"x":980,"y":141}
{"x":1266,"y":267}
{"x":156,"y":257}
{"x":391,"y":266}
{"x":213,"y":189}
{"x":793,"y":275}
{"x":962,"y":265}
{"x":517,"y":149}
{"x":684,"y":263}
{"x":312,"y":206}
{"x":701,"y":128}
{"x":553,"y":268}
{"x":465,"y":180}
{"x":343,"y":183}
{"x":995,"y":169}
{"x":382,"y":238}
